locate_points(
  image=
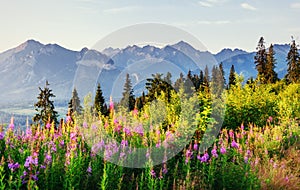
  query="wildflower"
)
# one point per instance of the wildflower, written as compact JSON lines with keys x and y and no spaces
{"x":126,"y":131}
{"x":111,"y":104}
{"x":165,"y":169}
{"x":223,"y":150}
{"x":61,"y":143}
{"x":43,"y":167}
{"x":204,"y":158}
{"x":11,"y":125}
{"x":246,"y":159}
{"x":89,"y":170}
{"x":48,"y":159}
{"x":270,"y":119}
{"x":286,"y":178}
{"x":118,"y":128}
{"x":1,"y":136}
{"x":158,"y":144}
{"x":231,"y":134}
{"x":152,"y":173}
{"x":242,"y":127}
{"x":73,"y":136}
{"x":124,"y":143}
{"x":135,"y":112}
{"x":34,"y":177}
{"x":195,"y":146}
{"x":48,"y":126}
{"x":147,"y":153}
{"x":13,"y":166}
{"x":188,"y":153}
{"x":214,"y":152}
{"x":234,"y":144}
{"x":139,"y":130}
{"x":68,"y":119}
{"x":85,"y":125}
{"x":30,"y":160}
{"x":122,"y":155}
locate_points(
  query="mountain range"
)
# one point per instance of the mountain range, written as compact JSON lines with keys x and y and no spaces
{"x":25,"y":68}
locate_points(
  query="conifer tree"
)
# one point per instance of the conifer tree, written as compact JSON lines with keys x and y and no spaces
{"x":206,"y":78}
{"x":179,"y":82}
{"x":128,"y":100}
{"x":232,"y":79}
{"x":293,"y":63}
{"x":99,"y":102}
{"x":201,"y":81}
{"x":74,"y":103}
{"x":260,"y":59}
{"x":45,"y":106}
{"x":222,"y":79}
{"x":271,"y":75}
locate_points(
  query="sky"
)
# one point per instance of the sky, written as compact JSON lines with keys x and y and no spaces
{"x":217,"y":24}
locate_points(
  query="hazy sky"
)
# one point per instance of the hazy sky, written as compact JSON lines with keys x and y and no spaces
{"x":75,"y":24}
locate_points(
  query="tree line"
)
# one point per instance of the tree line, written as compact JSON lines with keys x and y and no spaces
{"x":213,"y":83}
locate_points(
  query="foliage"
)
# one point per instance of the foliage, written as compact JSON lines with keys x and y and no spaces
{"x":74,"y":103}
{"x":45,"y":106}
{"x":293,"y":62}
{"x":99,"y":102}
{"x":128,"y":100}
{"x":231,"y":81}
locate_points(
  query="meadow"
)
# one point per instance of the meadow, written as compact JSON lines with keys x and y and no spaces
{"x":256,"y":148}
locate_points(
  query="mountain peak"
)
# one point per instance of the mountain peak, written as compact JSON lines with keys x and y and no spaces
{"x":29,"y":44}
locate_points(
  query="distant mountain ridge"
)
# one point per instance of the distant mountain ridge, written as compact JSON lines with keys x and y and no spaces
{"x":24,"y":68}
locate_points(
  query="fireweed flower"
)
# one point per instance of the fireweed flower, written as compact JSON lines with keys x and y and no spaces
{"x":165,"y":169}
{"x":127,"y":131}
{"x":122,"y":155}
{"x":195,"y":146}
{"x":34,"y":177}
{"x":234,"y":144}
{"x":204,"y":158}
{"x":148,"y":153}
{"x":223,"y":150}
{"x":152,"y":173}
{"x":158,"y":144}
{"x":89,"y":170}
{"x":68,"y":119}
{"x":48,"y":159}
{"x":48,"y":126}
{"x":111,"y":104}
{"x":13,"y":166}
{"x":135,"y":112}
{"x":231,"y":134}
{"x":214,"y":152}
{"x":139,"y":130}
{"x":31,"y":161}
{"x":124,"y":143}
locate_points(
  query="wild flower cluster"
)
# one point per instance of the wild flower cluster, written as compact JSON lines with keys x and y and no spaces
{"x":92,"y":152}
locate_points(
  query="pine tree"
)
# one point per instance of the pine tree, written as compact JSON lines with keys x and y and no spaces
{"x":206,"y":78}
{"x":128,"y":100}
{"x":45,"y":106}
{"x":222,"y":82}
{"x":156,"y":85}
{"x":99,"y":102}
{"x":201,"y":81}
{"x":260,"y":59}
{"x":179,"y":82}
{"x":293,"y":62}
{"x":74,"y":103}
{"x":232,"y":79}
{"x":271,"y":75}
